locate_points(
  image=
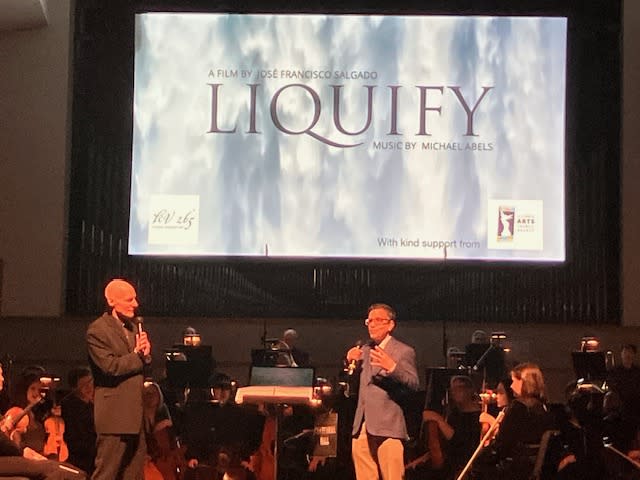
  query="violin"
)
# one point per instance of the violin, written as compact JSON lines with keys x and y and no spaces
{"x":487,"y":397}
{"x":55,"y":446}
{"x":15,"y":421}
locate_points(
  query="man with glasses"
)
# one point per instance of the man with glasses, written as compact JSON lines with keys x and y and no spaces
{"x":388,"y":373}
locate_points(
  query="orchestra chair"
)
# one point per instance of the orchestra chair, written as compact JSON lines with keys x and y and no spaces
{"x":541,"y":455}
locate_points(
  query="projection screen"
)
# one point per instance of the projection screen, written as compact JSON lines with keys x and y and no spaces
{"x":349,"y":136}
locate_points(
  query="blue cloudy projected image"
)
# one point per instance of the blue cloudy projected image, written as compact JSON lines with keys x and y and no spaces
{"x":349,"y":136}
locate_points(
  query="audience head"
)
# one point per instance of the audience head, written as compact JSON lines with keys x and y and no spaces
{"x":527,"y":382}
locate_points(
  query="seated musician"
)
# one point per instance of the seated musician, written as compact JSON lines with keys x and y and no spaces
{"x":30,"y":431}
{"x":165,"y":461}
{"x":621,"y":434}
{"x":517,"y":442}
{"x":15,"y":461}
{"x":460,"y":428}
{"x":504,"y":397}
{"x":300,"y":357}
{"x":579,"y":422}
{"x":77,"y":412}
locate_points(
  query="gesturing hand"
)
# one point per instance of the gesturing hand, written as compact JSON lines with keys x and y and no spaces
{"x":380,"y":358}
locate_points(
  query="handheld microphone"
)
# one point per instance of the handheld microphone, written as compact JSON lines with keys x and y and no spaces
{"x":139,"y":321}
{"x":354,"y":363}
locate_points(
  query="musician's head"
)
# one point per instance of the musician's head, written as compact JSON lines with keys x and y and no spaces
{"x":479,"y":336}
{"x":381,"y":320}
{"x":628,"y":355}
{"x":290,"y":336}
{"x":152,"y":397}
{"x":81,"y":382}
{"x":461,"y":390}
{"x":527,"y":381}
{"x":504,"y":394}
{"x":121,"y":297}
{"x":29,"y":388}
{"x":221,"y":388}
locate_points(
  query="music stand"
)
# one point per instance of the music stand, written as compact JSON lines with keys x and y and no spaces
{"x":437,"y":381}
{"x":189,"y":366}
{"x":278,"y":386}
{"x":488,"y":359}
{"x":589,"y":365}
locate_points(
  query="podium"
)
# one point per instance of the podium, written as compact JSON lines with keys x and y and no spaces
{"x":277,"y":386}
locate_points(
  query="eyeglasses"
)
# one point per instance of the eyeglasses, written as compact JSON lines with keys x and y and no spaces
{"x":376,"y":321}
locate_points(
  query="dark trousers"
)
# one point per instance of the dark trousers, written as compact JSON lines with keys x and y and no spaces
{"x":120,"y":457}
{"x":35,"y":469}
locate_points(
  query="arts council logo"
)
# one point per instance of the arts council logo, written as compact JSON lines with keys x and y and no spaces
{"x":506,"y":220}
{"x":514,"y":224}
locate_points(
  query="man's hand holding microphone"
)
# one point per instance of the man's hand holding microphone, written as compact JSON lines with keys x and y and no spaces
{"x":143,"y":346}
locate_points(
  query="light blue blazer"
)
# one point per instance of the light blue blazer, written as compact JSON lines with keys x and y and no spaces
{"x":383,"y":415}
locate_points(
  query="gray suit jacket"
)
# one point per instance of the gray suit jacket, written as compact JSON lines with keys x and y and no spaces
{"x":118,"y":377}
{"x":381,"y":391}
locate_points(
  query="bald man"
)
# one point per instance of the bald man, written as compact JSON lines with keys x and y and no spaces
{"x":117,"y":356}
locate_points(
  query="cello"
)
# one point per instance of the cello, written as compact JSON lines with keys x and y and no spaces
{"x":433,"y":454}
{"x":429,"y":437}
{"x":263,"y":461}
